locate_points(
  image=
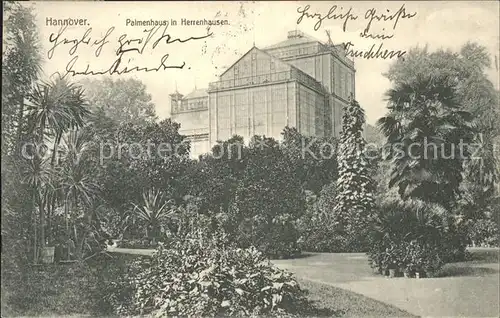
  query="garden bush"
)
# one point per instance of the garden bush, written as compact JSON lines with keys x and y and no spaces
{"x":483,"y":231}
{"x":455,"y":240}
{"x":322,"y":238}
{"x":268,"y":200}
{"x":116,"y":277}
{"x":203,"y":276}
{"x":414,"y":236}
{"x":319,"y":232}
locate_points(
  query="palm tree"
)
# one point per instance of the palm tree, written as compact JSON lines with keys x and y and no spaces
{"x":39,"y":176}
{"x":425,"y":128}
{"x":155,"y":210}
{"x":53,"y":109}
{"x":76,"y":179}
{"x":21,"y":61}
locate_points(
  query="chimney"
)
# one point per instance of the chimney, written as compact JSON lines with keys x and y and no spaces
{"x":295,"y":34}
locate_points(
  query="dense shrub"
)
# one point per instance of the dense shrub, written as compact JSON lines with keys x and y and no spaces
{"x":116,"y":281}
{"x":320,"y":231}
{"x":483,"y":231}
{"x":454,"y":240}
{"x":268,"y":200}
{"x":323,"y":238}
{"x":415,"y":236}
{"x":206,"y":277}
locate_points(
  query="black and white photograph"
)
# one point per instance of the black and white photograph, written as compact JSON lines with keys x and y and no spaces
{"x":250,"y":159}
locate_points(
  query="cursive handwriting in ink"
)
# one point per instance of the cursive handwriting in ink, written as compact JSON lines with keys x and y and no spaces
{"x":330,"y":15}
{"x":150,"y":33}
{"x":113,"y":69}
{"x":400,"y":14}
{"x":371,"y":54}
{"x":169,"y":40}
{"x":367,"y":35}
{"x":85,"y":39}
{"x":126,"y":45}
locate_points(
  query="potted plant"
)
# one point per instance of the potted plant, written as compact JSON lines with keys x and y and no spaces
{"x":375,"y":262}
{"x":392,"y":266}
{"x":420,"y":273}
{"x":392,"y":271}
{"x":409,"y":259}
{"x":47,"y":254}
{"x":408,"y":271}
{"x":393,"y":260}
{"x":384,"y":263}
{"x":418,"y":261}
{"x":402,"y":258}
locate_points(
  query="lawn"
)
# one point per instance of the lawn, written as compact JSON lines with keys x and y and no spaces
{"x":345,"y":303}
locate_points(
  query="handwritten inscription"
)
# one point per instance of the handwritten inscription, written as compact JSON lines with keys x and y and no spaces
{"x":57,"y":40}
{"x":371,"y":53}
{"x":330,"y":15}
{"x":128,"y":49}
{"x":371,"y":16}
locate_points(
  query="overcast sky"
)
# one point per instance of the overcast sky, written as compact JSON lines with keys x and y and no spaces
{"x":438,"y":24}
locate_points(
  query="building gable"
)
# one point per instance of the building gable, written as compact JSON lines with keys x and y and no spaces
{"x":254,"y":63}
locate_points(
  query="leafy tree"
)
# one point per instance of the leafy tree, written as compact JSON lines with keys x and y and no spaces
{"x":354,"y":194}
{"x":138,"y":157}
{"x":269,"y":199}
{"x":123,"y":115}
{"x":314,"y":160}
{"x":214,"y":179}
{"x":122,"y":100}
{"x":425,"y":128}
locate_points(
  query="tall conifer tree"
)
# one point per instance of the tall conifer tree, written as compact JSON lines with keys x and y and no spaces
{"x":354,"y":200}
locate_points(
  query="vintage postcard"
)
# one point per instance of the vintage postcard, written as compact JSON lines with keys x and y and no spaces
{"x":263,"y":158}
